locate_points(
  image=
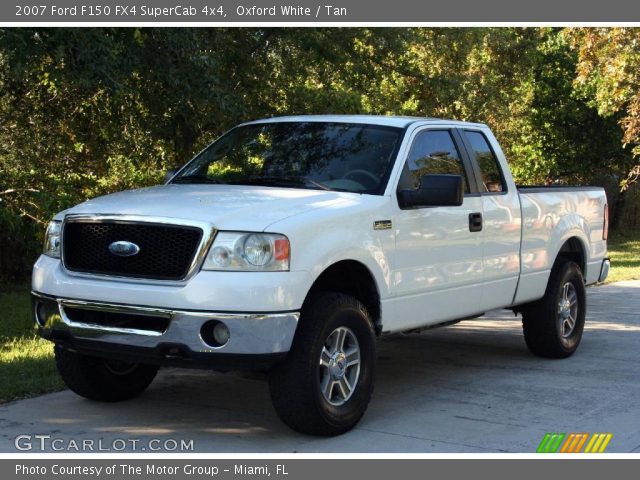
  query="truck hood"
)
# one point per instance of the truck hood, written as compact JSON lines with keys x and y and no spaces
{"x":227,"y":207}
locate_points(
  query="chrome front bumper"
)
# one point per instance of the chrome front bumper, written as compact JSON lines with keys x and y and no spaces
{"x":249,"y":333}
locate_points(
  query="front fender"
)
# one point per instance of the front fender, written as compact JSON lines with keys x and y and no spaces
{"x":346,"y":232}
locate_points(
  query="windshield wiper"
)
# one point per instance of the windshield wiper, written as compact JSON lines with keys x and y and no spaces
{"x":195,"y":179}
{"x":320,"y":185}
{"x":284,"y":181}
{"x":272,"y":181}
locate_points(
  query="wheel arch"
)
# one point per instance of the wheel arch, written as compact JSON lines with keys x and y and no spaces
{"x":354,"y":278}
{"x":569,"y":240}
{"x":575,"y":250}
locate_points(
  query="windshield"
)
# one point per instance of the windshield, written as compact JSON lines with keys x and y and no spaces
{"x":313,"y":155}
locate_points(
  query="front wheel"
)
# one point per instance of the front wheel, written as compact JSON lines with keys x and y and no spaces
{"x":324,"y":385}
{"x":553,"y":325}
{"x":102,"y":380}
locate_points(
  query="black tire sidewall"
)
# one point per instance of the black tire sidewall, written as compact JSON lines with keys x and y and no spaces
{"x":89,"y":377}
{"x":294,"y":384}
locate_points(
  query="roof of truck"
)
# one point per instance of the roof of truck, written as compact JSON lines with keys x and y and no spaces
{"x":388,"y":120}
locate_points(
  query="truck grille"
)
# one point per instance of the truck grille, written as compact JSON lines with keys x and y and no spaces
{"x":165,"y":251}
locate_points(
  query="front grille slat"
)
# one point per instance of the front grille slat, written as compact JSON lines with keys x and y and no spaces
{"x":134,"y":321}
{"x":166,"y":251}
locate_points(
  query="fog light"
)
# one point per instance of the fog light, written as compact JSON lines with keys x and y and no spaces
{"x":215,"y":334}
{"x":221,"y":333}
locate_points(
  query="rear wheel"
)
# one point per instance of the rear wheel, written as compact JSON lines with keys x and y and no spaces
{"x":553,"y":325}
{"x":324,"y":385}
{"x":103,"y":380}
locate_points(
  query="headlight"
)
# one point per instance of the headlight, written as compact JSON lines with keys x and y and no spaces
{"x":248,"y":252}
{"x":52,"y":239}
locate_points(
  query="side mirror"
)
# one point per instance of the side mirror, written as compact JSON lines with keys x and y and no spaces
{"x":169,"y":175}
{"x":434,"y":191}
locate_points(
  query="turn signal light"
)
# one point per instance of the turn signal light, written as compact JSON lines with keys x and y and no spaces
{"x":281,"y":249}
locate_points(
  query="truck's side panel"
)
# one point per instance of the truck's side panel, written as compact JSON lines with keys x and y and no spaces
{"x":501,"y":249}
{"x":501,"y":217}
{"x":552,"y":217}
{"x":345,"y":231}
{"x":437,"y":266}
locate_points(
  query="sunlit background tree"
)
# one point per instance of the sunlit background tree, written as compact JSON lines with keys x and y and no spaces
{"x":85,"y":112}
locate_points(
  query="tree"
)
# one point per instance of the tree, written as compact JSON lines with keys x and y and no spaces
{"x":84,"y":112}
{"x":608,"y":75}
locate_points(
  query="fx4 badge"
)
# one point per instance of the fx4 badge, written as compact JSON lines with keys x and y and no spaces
{"x":382,"y":225}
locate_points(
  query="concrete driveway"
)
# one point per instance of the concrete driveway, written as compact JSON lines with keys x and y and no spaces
{"x":472,"y":387}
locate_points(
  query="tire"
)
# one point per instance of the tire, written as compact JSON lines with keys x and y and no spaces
{"x":548,"y":331}
{"x":102,"y":380}
{"x":330,"y":323}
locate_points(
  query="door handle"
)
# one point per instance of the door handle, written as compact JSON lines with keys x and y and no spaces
{"x":475,"y":222}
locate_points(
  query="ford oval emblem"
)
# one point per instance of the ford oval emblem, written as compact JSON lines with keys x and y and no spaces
{"x":123,"y":248}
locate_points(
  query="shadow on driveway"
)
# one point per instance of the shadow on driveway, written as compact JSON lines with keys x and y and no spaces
{"x":471,"y":387}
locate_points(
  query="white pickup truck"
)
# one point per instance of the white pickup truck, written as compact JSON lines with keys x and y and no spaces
{"x":289,"y":244}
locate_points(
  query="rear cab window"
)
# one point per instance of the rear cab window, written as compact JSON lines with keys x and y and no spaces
{"x":491,"y":177}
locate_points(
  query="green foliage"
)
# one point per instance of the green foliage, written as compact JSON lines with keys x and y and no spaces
{"x":624,"y":250}
{"x":608,"y":78}
{"x":27,"y":367}
{"x":85,"y":112}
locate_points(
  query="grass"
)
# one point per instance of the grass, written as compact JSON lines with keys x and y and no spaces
{"x":624,"y":250}
{"x":26,"y":361}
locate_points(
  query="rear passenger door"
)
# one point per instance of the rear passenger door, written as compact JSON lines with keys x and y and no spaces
{"x":437,"y":266}
{"x":501,"y":229}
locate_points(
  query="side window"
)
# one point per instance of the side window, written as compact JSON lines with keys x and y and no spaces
{"x":433,"y":152}
{"x":492,"y":180}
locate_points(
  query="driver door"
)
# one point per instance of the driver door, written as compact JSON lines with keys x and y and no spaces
{"x":438,"y":264}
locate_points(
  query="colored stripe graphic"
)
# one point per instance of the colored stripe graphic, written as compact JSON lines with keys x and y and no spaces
{"x":598,"y":443}
{"x":543,"y":443}
{"x":574,"y":442}
{"x":581,"y":443}
{"x":550,"y":443}
{"x":553,"y":442}
{"x":569,"y":443}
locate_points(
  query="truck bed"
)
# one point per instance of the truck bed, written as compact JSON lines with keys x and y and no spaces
{"x":551,"y":214}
